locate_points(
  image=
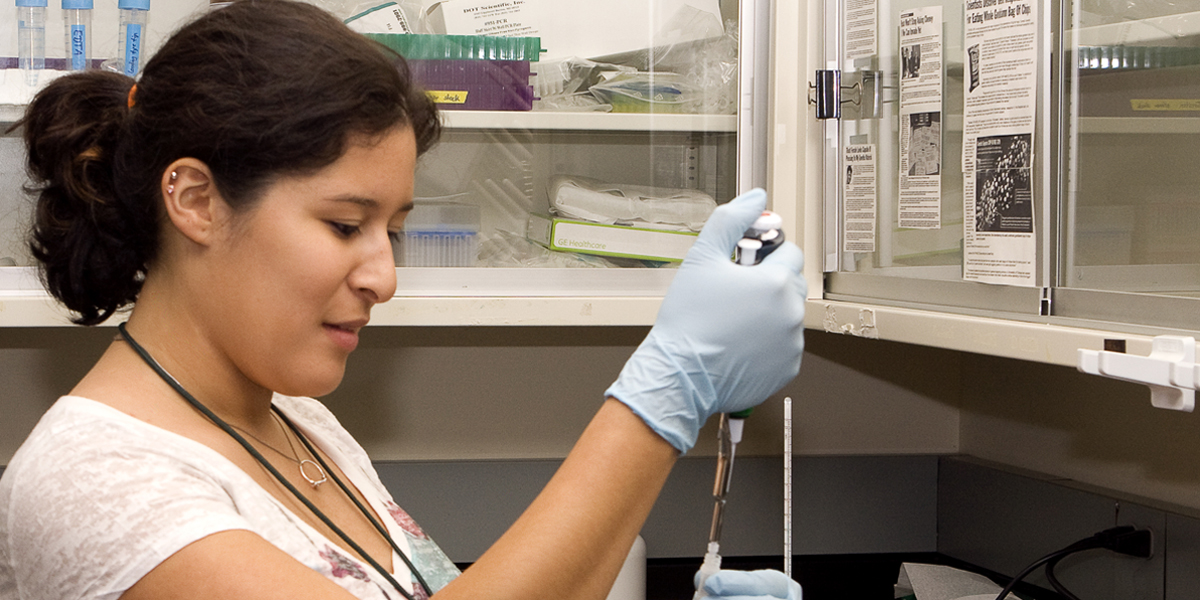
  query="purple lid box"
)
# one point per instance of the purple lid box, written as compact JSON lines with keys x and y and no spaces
{"x":475,"y":84}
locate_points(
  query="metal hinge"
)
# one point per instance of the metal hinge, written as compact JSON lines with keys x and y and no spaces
{"x":826,"y":93}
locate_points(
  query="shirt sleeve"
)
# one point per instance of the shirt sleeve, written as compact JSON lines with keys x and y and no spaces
{"x":90,"y":514}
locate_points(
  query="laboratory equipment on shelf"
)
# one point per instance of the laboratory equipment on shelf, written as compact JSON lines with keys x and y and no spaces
{"x":31,"y":38}
{"x":77,"y":22}
{"x":133,"y":17}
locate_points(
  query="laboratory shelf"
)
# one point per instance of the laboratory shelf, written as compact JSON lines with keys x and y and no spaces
{"x":440,"y":297}
{"x":547,"y":121}
{"x":587,"y":121}
{"x":1139,"y":125}
{"x":9,"y":113}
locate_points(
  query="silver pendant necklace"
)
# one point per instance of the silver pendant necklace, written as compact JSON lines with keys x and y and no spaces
{"x":303,"y":464}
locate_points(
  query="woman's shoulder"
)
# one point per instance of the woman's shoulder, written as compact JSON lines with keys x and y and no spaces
{"x":79,"y":436}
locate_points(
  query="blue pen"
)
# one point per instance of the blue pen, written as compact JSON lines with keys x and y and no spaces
{"x":77,"y":16}
{"x":133,"y":29}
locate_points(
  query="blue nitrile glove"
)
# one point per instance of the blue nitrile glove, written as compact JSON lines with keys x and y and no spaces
{"x":727,"y":335}
{"x":751,"y":585}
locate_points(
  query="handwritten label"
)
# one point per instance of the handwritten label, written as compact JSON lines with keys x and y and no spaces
{"x":444,"y":97}
{"x":1165,"y":104}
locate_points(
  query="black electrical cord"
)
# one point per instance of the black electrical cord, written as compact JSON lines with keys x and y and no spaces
{"x":187,"y":396}
{"x":1058,"y":554}
{"x":1123,"y":540}
{"x":1055,"y":583}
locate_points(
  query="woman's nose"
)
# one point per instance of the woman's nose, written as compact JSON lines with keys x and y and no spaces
{"x":375,"y":276}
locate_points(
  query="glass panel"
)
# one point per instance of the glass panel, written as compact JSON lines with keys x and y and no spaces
{"x":872,"y":118}
{"x":15,"y":208}
{"x":1132,"y":202}
{"x":628,"y":148}
{"x":509,"y":174}
{"x":914,"y":207}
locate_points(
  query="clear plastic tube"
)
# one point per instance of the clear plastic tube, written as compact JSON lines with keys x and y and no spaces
{"x":710,"y":566}
{"x":77,"y":22}
{"x":31,"y":38}
{"x":133,"y":17}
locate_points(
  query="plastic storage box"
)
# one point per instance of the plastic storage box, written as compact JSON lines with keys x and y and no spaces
{"x":440,"y":234}
{"x":467,"y":72}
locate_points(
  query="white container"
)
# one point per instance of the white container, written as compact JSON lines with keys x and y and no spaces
{"x":31,"y":38}
{"x":631,"y":581}
{"x":440,"y":234}
{"x":133,"y":17}
{"x":77,"y":23}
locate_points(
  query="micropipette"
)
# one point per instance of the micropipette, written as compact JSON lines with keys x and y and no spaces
{"x":763,"y":237}
{"x":729,"y":434}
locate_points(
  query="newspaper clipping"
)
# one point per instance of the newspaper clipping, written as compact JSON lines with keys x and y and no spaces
{"x":859,"y":193}
{"x":862,"y":32}
{"x":1000,"y":90}
{"x":921,"y":118}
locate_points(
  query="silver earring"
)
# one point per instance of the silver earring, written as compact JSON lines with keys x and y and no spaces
{"x":171,"y":186}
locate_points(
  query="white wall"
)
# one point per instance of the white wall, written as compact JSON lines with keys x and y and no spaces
{"x":1101,"y":432}
{"x":514,"y":393}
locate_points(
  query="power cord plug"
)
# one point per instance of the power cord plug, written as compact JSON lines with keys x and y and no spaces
{"x":1127,"y":540}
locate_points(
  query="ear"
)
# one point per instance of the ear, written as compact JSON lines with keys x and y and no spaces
{"x":191,"y":200}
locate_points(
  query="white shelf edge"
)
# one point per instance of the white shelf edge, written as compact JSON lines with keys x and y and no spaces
{"x":587,"y":121}
{"x":39,"y":310}
{"x":545,"y":121}
{"x":1038,"y":342}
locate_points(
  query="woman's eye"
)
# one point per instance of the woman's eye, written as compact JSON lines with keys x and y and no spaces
{"x":343,"y":229}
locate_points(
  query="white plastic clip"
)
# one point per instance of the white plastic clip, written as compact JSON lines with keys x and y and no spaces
{"x":1170,"y":371}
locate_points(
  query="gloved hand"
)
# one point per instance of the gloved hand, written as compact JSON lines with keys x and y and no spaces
{"x":749,"y":585}
{"x":727,"y":335}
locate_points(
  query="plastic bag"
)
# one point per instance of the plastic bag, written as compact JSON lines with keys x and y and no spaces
{"x":649,"y":92}
{"x":378,"y":16}
{"x":623,"y":204}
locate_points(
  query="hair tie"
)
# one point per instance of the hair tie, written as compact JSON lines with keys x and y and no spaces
{"x":131,"y":100}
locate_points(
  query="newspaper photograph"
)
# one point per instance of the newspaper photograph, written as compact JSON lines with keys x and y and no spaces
{"x":921,"y":118}
{"x":860,"y":193}
{"x":1000,"y":94}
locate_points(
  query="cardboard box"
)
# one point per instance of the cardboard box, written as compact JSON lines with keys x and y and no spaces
{"x":582,"y":28}
{"x":568,"y":235}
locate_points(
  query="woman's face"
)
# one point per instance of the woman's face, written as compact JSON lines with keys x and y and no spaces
{"x":301,"y":270}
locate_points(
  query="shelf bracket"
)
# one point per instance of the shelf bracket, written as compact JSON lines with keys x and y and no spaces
{"x":1170,"y":371}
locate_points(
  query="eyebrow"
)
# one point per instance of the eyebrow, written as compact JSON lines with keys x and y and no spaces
{"x":369,"y":203}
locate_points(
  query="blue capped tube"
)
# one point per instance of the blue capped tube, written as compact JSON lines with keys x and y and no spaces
{"x":31,"y":38}
{"x":77,"y":20}
{"x":133,"y":15}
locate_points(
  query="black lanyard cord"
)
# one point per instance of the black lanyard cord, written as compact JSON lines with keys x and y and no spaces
{"x":279,"y":476}
{"x":338,"y":480}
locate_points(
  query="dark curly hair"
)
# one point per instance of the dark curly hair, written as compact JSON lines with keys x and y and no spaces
{"x":257,"y":90}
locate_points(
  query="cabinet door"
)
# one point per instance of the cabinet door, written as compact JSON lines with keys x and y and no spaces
{"x":1131,"y":192}
{"x":1020,"y":160}
{"x":938,"y":186}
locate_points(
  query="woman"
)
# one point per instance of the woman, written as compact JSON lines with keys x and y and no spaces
{"x":244,"y":193}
